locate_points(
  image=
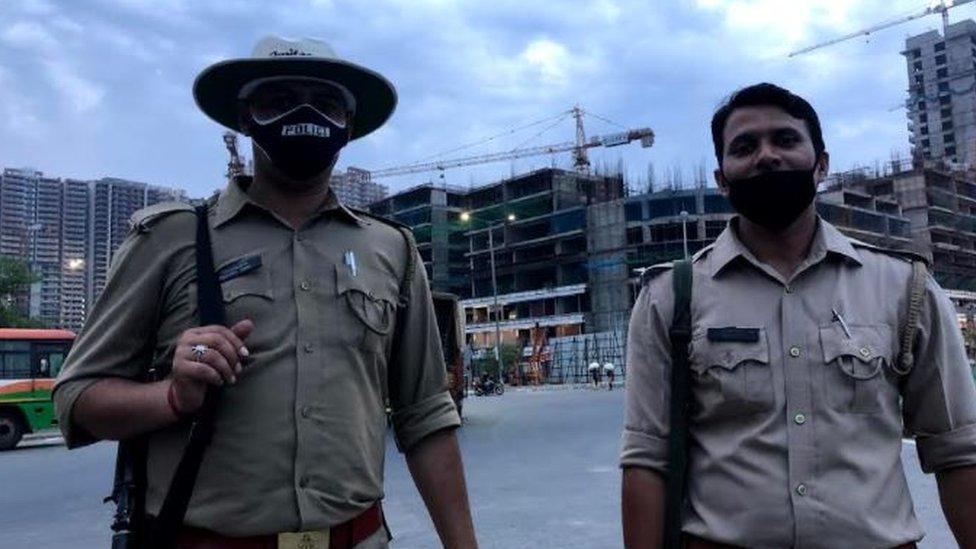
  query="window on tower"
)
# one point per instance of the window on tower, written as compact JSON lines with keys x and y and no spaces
{"x":940,"y":59}
{"x":940,"y":46}
{"x":942,"y":73}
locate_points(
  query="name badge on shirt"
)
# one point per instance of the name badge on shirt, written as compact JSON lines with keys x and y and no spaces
{"x":734,"y":335}
{"x":239,"y":268}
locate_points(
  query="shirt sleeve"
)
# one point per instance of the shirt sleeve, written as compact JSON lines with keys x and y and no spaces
{"x":418,"y":390}
{"x":646,"y":412}
{"x":939,"y":394}
{"x":118,"y":335}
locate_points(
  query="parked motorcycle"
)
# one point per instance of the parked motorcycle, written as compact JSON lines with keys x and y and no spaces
{"x":488,"y":387}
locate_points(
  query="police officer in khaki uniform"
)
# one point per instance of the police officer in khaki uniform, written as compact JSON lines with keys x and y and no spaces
{"x":800,"y":397}
{"x":310,"y":289}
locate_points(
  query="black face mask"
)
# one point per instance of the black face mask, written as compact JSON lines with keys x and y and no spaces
{"x":775,"y":199}
{"x":302,"y":143}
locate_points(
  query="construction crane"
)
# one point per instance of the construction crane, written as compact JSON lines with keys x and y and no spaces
{"x":235,"y":166}
{"x":938,"y":6}
{"x":579,"y":148}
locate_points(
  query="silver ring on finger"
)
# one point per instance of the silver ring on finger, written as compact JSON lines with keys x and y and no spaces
{"x":198,"y":351}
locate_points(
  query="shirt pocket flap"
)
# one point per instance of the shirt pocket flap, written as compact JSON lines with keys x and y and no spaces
{"x":256,"y":282}
{"x":373,"y":306}
{"x":866,"y":343}
{"x":707,"y":354}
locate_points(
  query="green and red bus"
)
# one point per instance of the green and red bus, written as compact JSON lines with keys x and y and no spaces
{"x":29,"y":361}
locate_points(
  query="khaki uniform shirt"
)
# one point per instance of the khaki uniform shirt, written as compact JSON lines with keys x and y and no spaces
{"x":796,"y":436}
{"x":300,"y":439}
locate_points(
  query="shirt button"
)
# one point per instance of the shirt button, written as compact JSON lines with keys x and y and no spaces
{"x":800,"y":419}
{"x":305,"y":285}
{"x":308,"y":348}
{"x":789,"y":289}
{"x":305,"y":411}
{"x":801,"y":489}
{"x":302,"y":482}
{"x":865,"y":352}
{"x":794,"y":352}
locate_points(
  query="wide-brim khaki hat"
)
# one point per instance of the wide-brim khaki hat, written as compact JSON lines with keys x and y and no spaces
{"x":216,"y":89}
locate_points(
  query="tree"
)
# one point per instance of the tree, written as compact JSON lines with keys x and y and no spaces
{"x":14,"y":277}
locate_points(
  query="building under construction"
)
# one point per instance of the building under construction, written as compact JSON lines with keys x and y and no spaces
{"x":940,"y":203}
{"x":567,"y":251}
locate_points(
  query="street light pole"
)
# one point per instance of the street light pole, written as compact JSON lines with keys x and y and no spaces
{"x":494,"y":292}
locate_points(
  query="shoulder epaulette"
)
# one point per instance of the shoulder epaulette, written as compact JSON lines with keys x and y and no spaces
{"x":652,"y":272}
{"x":376,"y":217}
{"x":907,"y":255}
{"x":144,"y":218}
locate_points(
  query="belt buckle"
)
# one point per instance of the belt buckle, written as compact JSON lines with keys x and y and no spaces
{"x":318,"y":539}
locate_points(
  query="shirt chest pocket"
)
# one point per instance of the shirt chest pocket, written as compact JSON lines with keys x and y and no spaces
{"x":247,"y":295}
{"x":731,"y":378}
{"x":367,"y":310}
{"x":854,"y":373}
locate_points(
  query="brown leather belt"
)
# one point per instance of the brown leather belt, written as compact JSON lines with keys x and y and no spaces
{"x":343,"y":536}
{"x":693,"y":542}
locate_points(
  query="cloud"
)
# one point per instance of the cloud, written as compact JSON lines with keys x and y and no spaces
{"x":36,"y":7}
{"x":550,"y":59}
{"x":29,"y":35}
{"x":81,"y":94}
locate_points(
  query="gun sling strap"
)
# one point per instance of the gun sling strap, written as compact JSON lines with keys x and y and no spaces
{"x":680,"y":336}
{"x":210,"y":304}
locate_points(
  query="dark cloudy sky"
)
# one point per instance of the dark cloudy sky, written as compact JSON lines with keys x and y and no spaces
{"x":92,"y":88}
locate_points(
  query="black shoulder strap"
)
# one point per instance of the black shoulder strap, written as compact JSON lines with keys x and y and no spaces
{"x":403,"y":300}
{"x":210,"y":305}
{"x":680,"y":334}
{"x":404,"y":297}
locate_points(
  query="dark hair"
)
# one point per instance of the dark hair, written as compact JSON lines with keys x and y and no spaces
{"x":766,"y":94}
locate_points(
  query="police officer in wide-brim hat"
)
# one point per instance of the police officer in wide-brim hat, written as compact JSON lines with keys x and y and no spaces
{"x":329,"y":317}
{"x":217,"y":86}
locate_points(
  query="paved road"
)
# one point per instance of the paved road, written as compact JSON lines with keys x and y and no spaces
{"x":541,"y":469}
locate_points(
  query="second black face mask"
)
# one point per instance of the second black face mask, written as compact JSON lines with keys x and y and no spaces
{"x":773,"y":200}
{"x":301,"y":143}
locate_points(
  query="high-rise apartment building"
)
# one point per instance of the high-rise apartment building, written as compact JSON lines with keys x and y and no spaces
{"x":67,"y":232}
{"x":354,"y":188}
{"x":112,"y":203}
{"x":941,"y":103}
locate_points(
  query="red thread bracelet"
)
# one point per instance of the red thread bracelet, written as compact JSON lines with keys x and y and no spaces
{"x":171,"y":400}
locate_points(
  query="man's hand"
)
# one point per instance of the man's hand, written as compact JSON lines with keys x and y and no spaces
{"x":219,"y":364}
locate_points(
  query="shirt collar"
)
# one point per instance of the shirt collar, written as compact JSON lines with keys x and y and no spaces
{"x":827,"y":239}
{"x":234,"y":197}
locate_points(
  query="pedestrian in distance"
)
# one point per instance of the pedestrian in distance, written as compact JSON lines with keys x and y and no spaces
{"x":327,"y":323}
{"x":594,"y":371}
{"x":608,"y":372}
{"x":807,"y":355}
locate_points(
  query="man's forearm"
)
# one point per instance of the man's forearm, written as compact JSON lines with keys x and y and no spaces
{"x":957,"y":490}
{"x":115,"y":408}
{"x":435,"y":464}
{"x":642,"y":498}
